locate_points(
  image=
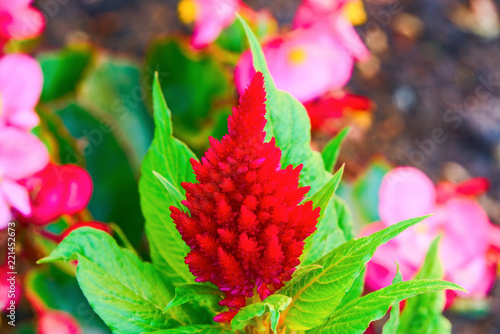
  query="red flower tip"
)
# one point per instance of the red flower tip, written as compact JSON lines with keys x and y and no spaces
{"x":245,"y":225}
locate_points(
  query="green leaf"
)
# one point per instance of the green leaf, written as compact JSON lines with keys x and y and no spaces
{"x":180,"y":69}
{"x":317,"y":293}
{"x":288,"y":122}
{"x":355,"y":291}
{"x":169,"y":158}
{"x":115,"y":93}
{"x":331,"y":151}
{"x":196,"y":329}
{"x":274,"y":304}
{"x":328,"y":234}
{"x":198,"y":292}
{"x":423,"y":313}
{"x":392,"y":324}
{"x":115,"y":197}
{"x":357,"y":315}
{"x":126,"y":293}
{"x":62,"y":70}
{"x":48,"y":287}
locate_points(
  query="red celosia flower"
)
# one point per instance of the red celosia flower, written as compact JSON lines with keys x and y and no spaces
{"x":245,"y":226}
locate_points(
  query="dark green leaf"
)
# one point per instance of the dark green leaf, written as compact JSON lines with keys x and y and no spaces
{"x":114,"y":91}
{"x":115,"y":197}
{"x":62,"y":70}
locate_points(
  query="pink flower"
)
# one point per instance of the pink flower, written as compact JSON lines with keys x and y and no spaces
{"x":466,"y":243}
{"x":329,"y":15}
{"x":51,"y":322}
{"x":311,"y":60}
{"x":21,"y":155}
{"x":55,"y":191}
{"x":210,"y":17}
{"x":21,"y":81}
{"x":19,"y":20}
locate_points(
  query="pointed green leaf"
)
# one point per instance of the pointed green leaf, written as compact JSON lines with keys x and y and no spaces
{"x":391,"y":326}
{"x":195,"y":329}
{"x":357,"y":315}
{"x":169,"y":158}
{"x":331,"y":151}
{"x":126,"y":293}
{"x":317,"y":293}
{"x":355,"y":291}
{"x":198,"y":292}
{"x":423,"y":313}
{"x":274,"y":304}
{"x":328,"y":234}
{"x":288,"y":122}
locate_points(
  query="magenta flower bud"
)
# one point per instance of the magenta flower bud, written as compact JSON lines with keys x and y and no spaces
{"x":56,"y":191}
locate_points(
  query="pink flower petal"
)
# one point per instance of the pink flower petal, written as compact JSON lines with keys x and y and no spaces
{"x":323,"y":64}
{"x":21,"y":154}
{"x":21,"y":81}
{"x":27,"y":22}
{"x":406,"y":193}
{"x":59,"y":322}
{"x":5,"y":213}
{"x":466,"y":233}
{"x":213,"y":17}
{"x":349,"y":38}
{"x":78,"y":188}
{"x":476,"y":277}
{"x":16,"y":195}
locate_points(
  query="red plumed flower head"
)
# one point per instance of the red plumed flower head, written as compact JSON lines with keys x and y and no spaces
{"x":245,"y":225}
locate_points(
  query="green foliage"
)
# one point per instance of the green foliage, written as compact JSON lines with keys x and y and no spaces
{"x":114,"y":91}
{"x":317,"y":293}
{"x":273,"y":304}
{"x":191,"y":83}
{"x":198,"y":292}
{"x":62,"y":70}
{"x":115,"y":197}
{"x":392,"y":324}
{"x":355,"y":316}
{"x":126,"y":293}
{"x":331,"y":151}
{"x":50,"y":288}
{"x":423,"y":313}
{"x":196,"y":329}
{"x":328,"y":234}
{"x":169,"y":158}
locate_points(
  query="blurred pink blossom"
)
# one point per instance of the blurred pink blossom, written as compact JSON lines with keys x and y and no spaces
{"x":52,"y":322}
{"x":21,"y":81}
{"x":19,"y":20}
{"x":210,"y":18}
{"x":21,"y":155}
{"x":312,"y":59}
{"x":329,"y":16}
{"x":55,"y":191}
{"x":405,"y":193}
